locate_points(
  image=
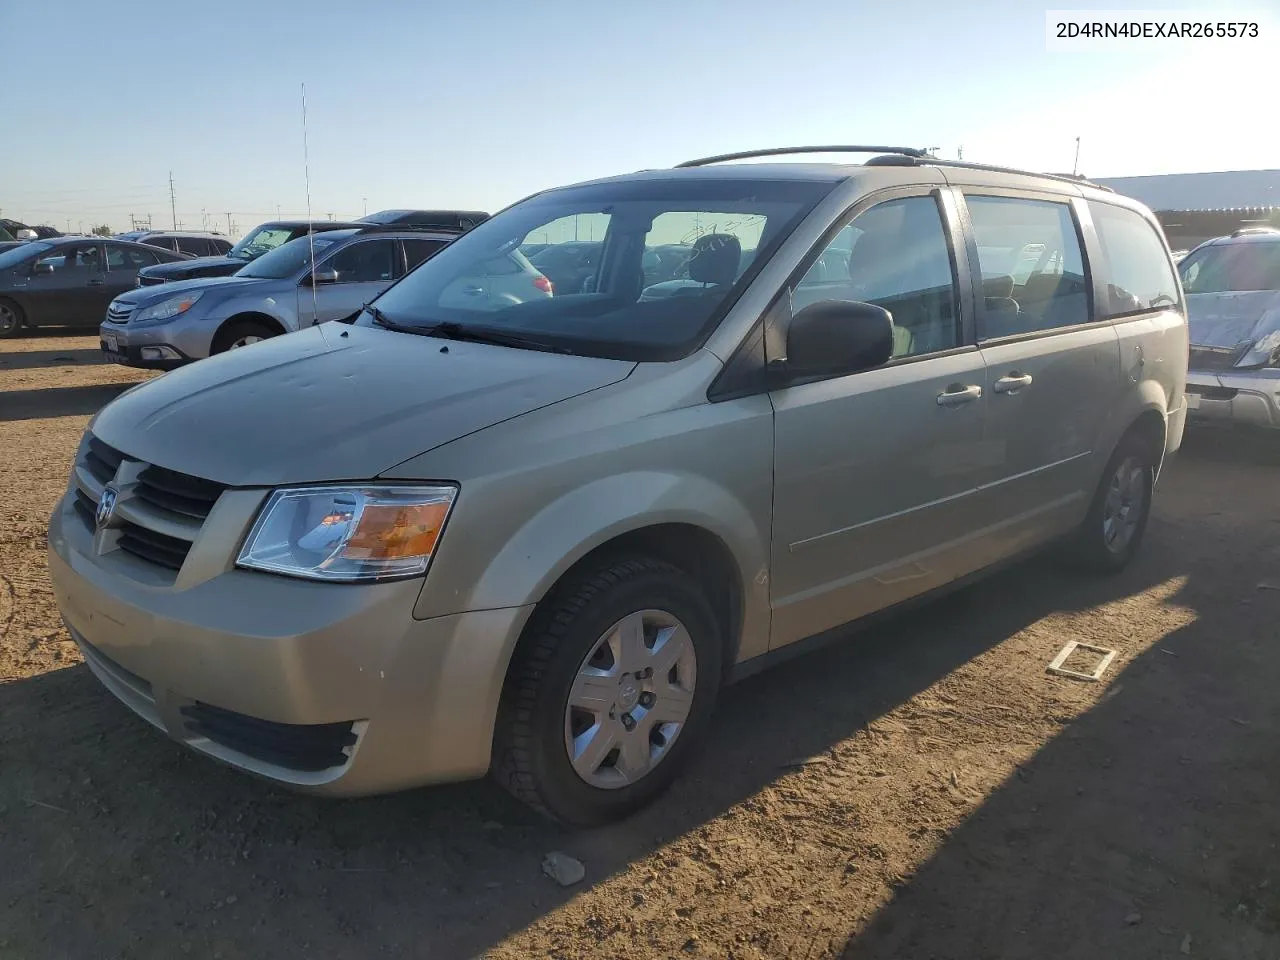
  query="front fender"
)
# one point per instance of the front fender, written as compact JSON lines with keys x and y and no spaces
{"x":548,"y":543}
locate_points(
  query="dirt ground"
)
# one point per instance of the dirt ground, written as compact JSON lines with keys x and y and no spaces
{"x":925,"y":790}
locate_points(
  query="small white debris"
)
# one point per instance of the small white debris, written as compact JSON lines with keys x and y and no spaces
{"x":1056,"y":666}
{"x":563,"y":869}
{"x":1133,"y":919}
{"x":1186,"y":944}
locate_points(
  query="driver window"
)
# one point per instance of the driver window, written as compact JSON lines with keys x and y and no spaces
{"x":896,"y":256}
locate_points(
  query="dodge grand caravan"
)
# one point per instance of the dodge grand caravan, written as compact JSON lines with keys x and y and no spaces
{"x":455,"y":536}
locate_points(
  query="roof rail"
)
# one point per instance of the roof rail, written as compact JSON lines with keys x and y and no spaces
{"x":903,"y":160}
{"x":408,"y":228}
{"x":1253,"y":231}
{"x":780,"y":151}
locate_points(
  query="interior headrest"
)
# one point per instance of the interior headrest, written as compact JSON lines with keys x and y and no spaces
{"x":997,"y":287}
{"x":715,"y":258}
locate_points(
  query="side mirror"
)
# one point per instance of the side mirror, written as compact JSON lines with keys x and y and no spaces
{"x":26,"y":234}
{"x":838,"y":337}
{"x":324,"y":276}
{"x":41,"y":267}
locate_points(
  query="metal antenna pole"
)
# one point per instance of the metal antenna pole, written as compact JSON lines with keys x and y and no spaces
{"x":1075,"y":167}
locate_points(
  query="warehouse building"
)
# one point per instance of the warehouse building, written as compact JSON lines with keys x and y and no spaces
{"x":1194,"y":207}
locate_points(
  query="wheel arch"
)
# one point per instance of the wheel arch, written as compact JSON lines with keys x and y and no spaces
{"x":251,"y":316}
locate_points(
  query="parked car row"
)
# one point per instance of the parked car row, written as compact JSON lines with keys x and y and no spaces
{"x":490,"y":525}
{"x":50,"y":286}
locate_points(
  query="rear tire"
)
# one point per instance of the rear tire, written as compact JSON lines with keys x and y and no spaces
{"x":12,"y":319}
{"x":242,"y":333}
{"x":1117,"y":521}
{"x":608,"y":692}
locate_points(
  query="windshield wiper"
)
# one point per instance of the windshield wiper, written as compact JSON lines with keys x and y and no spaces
{"x":448,"y":330}
{"x":383,"y":321}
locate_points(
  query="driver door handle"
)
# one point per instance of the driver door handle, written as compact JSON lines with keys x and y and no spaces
{"x":1012,"y":383}
{"x":96,"y":283}
{"x":959,"y":393}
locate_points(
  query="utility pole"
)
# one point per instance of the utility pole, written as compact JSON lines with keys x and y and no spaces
{"x":277,"y":211}
{"x":365,"y":200}
{"x":228,"y":224}
{"x":1075,"y":167}
{"x":68,"y":224}
{"x":960,"y":152}
{"x":173,"y":203}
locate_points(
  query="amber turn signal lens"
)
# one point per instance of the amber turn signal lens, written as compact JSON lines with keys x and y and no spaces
{"x":394,"y":531}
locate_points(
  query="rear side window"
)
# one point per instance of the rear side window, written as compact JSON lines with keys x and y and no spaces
{"x":1136,"y":268}
{"x":1032,"y":266}
{"x":164,"y":243}
{"x":415,"y":251}
{"x":194,"y":245}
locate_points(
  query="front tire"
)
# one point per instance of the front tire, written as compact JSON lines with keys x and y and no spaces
{"x":1117,"y":521}
{"x":608,"y":692}
{"x":12,"y":319}
{"x":242,"y":333}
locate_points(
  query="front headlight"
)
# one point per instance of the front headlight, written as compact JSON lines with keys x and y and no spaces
{"x":348,"y":533}
{"x":166,"y":309}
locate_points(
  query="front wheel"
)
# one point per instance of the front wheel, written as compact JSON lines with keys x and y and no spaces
{"x":243,"y":333}
{"x":608,"y":692}
{"x":1113,"y":530}
{"x":11,"y":319}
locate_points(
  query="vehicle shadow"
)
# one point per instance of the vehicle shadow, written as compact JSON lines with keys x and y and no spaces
{"x":33,"y":359}
{"x":171,"y":849}
{"x":1147,"y":828}
{"x":58,"y":401}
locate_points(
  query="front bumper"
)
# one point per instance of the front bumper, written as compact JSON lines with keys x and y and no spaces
{"x":156,"y":346}
{"x":327,"y":688}
{"x":1246,"y":397}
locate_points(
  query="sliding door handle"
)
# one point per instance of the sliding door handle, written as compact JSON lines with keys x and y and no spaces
{"x":1012,"y":383}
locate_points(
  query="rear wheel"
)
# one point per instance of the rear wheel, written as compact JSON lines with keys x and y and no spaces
{"x":242,"y":333}
{"x":608,"y":692}
{"x":11,"y":318}
{"x":1112,"y":532}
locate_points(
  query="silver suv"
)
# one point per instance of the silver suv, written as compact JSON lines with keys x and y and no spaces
{"x":166,"y":326}
{"x":1233,"y":295}
{"x":537,"y":539}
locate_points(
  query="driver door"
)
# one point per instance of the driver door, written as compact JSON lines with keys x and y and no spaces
{"x":74,"y":293}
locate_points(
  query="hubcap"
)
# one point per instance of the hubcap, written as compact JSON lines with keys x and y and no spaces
{"x":1124,"y":505}
{"x":630,"y":699}
{"x":244,"y":341}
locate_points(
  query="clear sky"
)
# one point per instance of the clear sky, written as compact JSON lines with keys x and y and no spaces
{"x":476,"y":103}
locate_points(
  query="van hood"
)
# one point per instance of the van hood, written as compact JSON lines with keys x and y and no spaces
{"x":335,"y":403}
{"x":1228,"y":320}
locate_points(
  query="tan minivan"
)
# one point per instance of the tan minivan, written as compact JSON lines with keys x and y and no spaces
{"x":452,"y":536}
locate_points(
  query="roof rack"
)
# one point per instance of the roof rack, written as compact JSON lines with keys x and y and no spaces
{"x":909,"y":152}
{"x":1254,"y":231}
{"x":900,"y":160}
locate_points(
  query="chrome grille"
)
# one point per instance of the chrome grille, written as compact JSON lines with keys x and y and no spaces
{"x":119,"y":314}
{"x":160,"y":512}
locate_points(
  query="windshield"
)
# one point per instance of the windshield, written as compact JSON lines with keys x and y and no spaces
{"x":14,"y":256}
{"x":1232,"y":268}
{"x":287,"y":259}
{"x":602,"y":285}
{"x":260,"y":241}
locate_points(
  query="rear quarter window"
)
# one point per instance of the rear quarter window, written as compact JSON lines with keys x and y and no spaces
{"x":1135,"y":264}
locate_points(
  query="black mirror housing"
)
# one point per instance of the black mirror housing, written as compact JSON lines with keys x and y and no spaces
{"x":838,"y":337}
